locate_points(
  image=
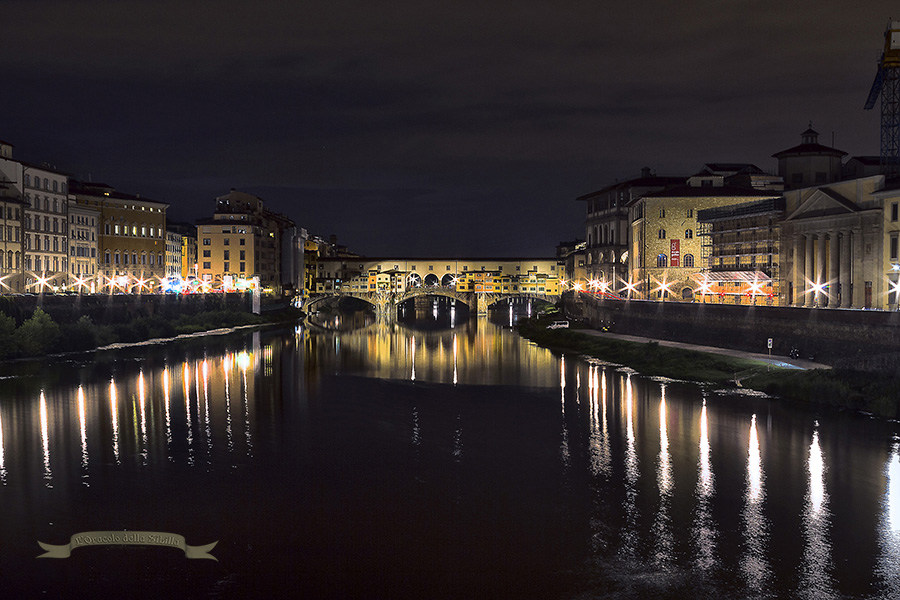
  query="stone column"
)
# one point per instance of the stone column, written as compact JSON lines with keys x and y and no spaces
{"x":833,"y":270}
{"x":820,"y":269}
{"x":846,"y":300}
{"x":798,"y":265}
{"x":858,"y":279}
{"x":809,"y":271}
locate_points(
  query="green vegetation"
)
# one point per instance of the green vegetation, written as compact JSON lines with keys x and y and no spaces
{"x":40,"y":335}
{"x":875,"y":393}
{"x":649,"y":358}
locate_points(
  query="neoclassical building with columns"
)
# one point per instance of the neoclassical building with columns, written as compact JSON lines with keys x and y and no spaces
{"x":840,"y":245}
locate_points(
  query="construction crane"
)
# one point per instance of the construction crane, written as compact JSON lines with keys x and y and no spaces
{"x":887,"y":85}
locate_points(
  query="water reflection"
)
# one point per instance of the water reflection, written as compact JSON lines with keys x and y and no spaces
{"x":630,"y":536}
{"x":167,"y":401}
{"x":454,"y":455}
{"x":662,"y":526}
{"x":704,"y":529}
{"x":114,"y":418}
{"x":2,"y":453}
{"x":186,"y":390}
{"x":564,"y":434}
{"x":142,"y":401}
{"x":45,"y":442}
{"x":888,"y":568}
{"x":815,"y":569}
{"x":599,"y":435}
{"x":754,"y":562}
{"x":82,"y":428}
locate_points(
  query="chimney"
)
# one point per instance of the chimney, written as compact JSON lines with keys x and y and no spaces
{"x":645,"y":172}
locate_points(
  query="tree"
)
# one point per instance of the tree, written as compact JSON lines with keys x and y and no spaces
{"x":38,"y":335}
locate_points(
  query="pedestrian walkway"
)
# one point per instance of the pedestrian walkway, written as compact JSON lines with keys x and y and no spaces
{"x":779,"y":361}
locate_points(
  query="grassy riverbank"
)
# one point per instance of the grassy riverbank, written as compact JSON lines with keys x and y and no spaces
{"x":878,"y":394}
{"x":40,"y":335}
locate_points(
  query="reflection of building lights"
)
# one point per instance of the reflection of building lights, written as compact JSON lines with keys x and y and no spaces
{"x":816,"y":475}
{"x":243,"y":361}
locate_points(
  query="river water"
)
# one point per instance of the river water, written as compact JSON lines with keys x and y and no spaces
{"x":436,"y":457}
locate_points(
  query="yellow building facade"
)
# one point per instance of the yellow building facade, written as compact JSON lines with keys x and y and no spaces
{"x":666,"y":245}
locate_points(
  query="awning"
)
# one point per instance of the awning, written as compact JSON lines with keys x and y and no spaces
{"x":718,"y":276}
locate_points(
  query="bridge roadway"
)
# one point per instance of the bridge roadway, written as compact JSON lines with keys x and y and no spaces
{"x":383,"y":300}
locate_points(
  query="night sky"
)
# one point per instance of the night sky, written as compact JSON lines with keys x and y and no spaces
{"x":427,"y":129}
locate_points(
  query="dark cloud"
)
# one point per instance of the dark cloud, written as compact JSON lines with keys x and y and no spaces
{"x":422,"y":127}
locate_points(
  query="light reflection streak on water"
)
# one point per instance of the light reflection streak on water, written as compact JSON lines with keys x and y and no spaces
{"x":2,"y":456}
{"x":816,"y":579}
{"x":704,"y":532}
{"x":412,"y":342}
{"x":888,"y":568}
{"x":662,"y":526}
{"x":141,"y":400}
{"x":455,"y":360}
{"x":632,"y":473}
{"x":186,"y":389}
{"x":227,"y":365}
{"x":205,"y":373}
{"x":754,"y":565}
{"x":82,"y":427}
{"x":168,"y":414}
{"x":244,"y":362}
{"x":599,"y":437}
{"x":45,"y":442}
{"x":114,"y":417}
{"x":564,"y":435}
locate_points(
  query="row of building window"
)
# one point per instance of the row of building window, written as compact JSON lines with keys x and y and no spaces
{"x":48,"y":265}
{"x":58,"y":207}
{"x":689,"y":213}
{"x":117,"y":258}
{"x":662,"y":261}
{"x":688,"y":234}
{"x":11,"y":233}
{"x":110,"y":229}
{"x":46,"y":245}
{"x":13,"y":260}
{"x":36,"y":181}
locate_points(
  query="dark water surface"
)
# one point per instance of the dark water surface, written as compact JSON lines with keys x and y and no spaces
{"x":420,"y":460}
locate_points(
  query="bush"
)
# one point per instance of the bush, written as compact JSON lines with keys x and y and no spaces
{"x":38,"y":335}
{"x":79,"y":336}
{"x":9,"y":345}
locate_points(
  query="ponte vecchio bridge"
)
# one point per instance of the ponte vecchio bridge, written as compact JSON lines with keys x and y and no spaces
{"x":476,"y":282}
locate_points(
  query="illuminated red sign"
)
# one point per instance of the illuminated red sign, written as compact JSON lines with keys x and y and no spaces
{"x":675,"y":253}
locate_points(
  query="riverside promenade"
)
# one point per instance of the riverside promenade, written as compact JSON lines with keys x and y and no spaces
{"x":778,"y":361}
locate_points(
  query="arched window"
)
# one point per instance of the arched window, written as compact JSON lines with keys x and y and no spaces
{"x":143,"y":258}
{"x":117,"y":256}
{"x":662,"y":260}
{"x":662,"y":234}
{"x":106,"y":257}
{"x":134,"y":258}
{"x":688,"y":260}
{"x":688,"y":234}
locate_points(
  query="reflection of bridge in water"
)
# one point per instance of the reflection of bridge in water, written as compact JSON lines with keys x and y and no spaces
{"x":386,"y":301}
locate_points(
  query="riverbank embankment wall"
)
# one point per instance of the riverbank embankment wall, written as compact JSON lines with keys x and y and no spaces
{"x":860,"y":339}
{"x":107,"y":309}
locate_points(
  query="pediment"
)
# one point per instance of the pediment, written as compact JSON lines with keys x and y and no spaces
{"x":824,"y":203}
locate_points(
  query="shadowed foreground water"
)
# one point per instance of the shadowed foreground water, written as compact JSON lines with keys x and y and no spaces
{"x":394,"y":461}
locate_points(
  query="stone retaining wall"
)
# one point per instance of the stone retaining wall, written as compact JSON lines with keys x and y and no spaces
{"x":850,"y":338}
{"x":104,"y":309}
